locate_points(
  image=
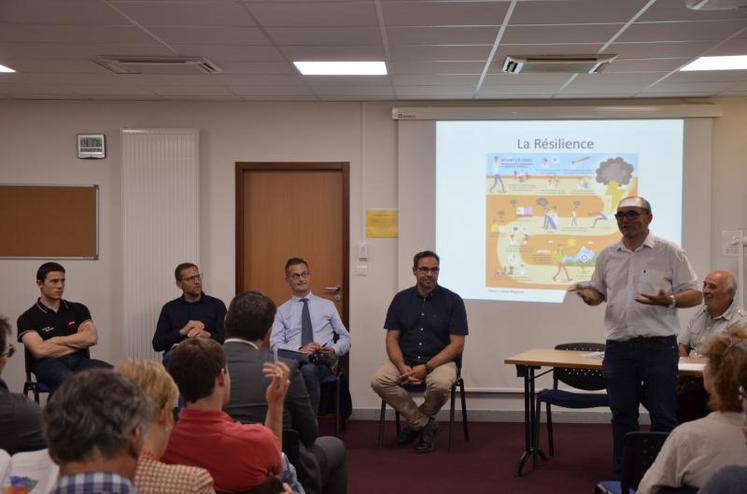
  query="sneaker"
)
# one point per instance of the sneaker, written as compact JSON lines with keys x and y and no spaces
{"x":406,"y":435}
{"x":427,"y":441}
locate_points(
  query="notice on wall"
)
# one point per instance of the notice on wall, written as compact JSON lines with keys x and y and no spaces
{"x":382,"y":223}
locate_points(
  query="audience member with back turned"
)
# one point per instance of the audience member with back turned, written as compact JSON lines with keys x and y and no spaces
{"x":240,"y":457}
{"x":643,"y":279}
{"x":248,"y":322}
{"x":94,"y":426}
{"x":696,"y":450}
{"x":153,"y":476}
{"x":20,"y":419}
{"x":193,"y":315}
{"x":56,"y":332}
{"x":426,"y":326}
{"x":308,"y":329}
{"x":732,"y":479}
{"x":718,"y":312}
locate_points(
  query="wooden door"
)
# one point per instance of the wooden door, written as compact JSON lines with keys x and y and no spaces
{"x":288,"y":210}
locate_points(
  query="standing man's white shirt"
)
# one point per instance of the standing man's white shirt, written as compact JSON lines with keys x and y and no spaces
{"x":657,"y":265}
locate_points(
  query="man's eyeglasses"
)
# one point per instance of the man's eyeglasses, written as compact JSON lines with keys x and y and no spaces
{"x":300,"y":276}
{"x":424,"y":269}
{"x":631,"y":215}
{"x":194,"y":278}
{"x":9,"y":352}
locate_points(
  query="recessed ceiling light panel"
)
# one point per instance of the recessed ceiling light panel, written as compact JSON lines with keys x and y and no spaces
{"x":5,"y":69}
{"x":732,"y":62}
{"x":341,"y":68}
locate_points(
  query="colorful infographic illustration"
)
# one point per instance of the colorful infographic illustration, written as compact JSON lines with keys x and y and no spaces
{"x":548,"y":215}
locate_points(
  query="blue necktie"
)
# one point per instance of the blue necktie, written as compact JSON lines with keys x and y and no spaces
{"x":307,"y":334}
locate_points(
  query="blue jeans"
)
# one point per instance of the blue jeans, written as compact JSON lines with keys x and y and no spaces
{"x":640,"y":370}
{"x":54,"y":370}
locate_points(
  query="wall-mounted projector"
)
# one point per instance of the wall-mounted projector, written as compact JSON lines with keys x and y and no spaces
{"x":716,"y":4}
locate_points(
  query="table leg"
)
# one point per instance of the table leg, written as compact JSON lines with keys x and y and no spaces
{"x":531,"y":426}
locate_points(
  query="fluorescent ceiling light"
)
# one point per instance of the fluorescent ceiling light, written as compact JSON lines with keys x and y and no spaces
{"x":3,"y":68}
{"x":736,"y":62}
{"x":341,"y":68}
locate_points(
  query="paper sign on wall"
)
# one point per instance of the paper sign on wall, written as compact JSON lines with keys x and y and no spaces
{"x":382,"y":223}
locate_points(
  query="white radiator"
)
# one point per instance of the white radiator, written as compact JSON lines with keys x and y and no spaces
{"x":160,"y":226}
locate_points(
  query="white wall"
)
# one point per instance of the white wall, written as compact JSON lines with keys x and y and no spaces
{"x":37,"y":141}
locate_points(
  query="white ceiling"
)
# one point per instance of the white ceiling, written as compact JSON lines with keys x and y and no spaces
{"x":445,"y":49}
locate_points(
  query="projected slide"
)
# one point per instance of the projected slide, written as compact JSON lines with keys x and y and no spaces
{"x":524,"y":208}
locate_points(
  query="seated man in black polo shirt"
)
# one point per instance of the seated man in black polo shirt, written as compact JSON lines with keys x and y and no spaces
{"x":193,"y":315}
{"x":426,"y":326}
{"x":56,"y":332}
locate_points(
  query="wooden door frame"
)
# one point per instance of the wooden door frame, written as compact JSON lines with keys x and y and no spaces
{"x":342,"y":166}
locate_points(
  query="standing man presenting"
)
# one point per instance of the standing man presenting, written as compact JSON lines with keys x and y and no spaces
{"x":643,"y":279}
{"x":426,"y":326}
{"x":309,"y":330}
{"x":56,"y":332}
{"x":193,"y":315}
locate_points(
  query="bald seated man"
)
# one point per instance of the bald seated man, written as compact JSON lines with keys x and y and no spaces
{"x":719,"y":311}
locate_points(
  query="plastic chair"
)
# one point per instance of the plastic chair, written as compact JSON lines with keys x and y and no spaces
{"x":31,"y":385}
{"x":420,"y":388}
{"x":584,"y":379}
{"x":640,"y":451}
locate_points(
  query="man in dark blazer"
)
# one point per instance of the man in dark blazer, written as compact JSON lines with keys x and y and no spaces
{"x":322,"y":467}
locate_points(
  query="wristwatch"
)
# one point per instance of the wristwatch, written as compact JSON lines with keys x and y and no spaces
{"x":673,"y":302}
{"x":428,"y":368}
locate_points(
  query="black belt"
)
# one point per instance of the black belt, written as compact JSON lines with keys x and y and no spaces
{"x":653,"y":339}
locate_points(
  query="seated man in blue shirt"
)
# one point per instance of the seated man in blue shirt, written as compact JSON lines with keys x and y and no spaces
{"x":193,"y":315}
{"x":309,"y":330}
{"x":426,"y":326}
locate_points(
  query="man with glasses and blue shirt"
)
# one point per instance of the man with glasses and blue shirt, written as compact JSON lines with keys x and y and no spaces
{"x":193,"y":315}
{"x":308,"y":329}
{"x":426,"y":326}
{"x":644,"y":280}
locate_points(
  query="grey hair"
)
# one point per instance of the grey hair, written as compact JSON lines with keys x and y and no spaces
{"x":94,"y":413}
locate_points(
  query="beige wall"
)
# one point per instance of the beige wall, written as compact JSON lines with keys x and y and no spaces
{"x":37,"y":142}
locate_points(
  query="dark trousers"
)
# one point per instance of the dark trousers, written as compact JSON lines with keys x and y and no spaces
{"x":640,"y":370}
{"x":312,"y":375}
{"x":54,"y":370}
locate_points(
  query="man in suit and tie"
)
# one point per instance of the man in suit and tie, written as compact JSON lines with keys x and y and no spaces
{"x":322,"y":467}
{"x":308,"y":329}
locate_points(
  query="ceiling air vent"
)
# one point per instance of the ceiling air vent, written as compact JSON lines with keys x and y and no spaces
{"x":158,"y":65}
{"x":568,"y":64}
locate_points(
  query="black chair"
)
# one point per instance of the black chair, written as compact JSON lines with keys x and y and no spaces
{"x":640,"y":451}
{"x":420,"y":388}
{"x":584,"y":379}
{"x":31,"y":385}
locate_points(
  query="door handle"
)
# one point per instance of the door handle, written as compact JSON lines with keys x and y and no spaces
{"x":332,"y":289}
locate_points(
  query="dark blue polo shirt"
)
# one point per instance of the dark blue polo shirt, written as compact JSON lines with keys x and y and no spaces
{"x":425,"y":323}
{"x":177,"y":313}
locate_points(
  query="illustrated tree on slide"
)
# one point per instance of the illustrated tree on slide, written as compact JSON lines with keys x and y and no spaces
{"x":614,"y":173}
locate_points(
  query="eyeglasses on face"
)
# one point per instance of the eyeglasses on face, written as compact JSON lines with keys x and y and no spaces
{"x":300,"y":276}
{"x":631,"y":215}
{"x":194,"y":278}
{"x":9,"y":352}
{"x":425,"y":269}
